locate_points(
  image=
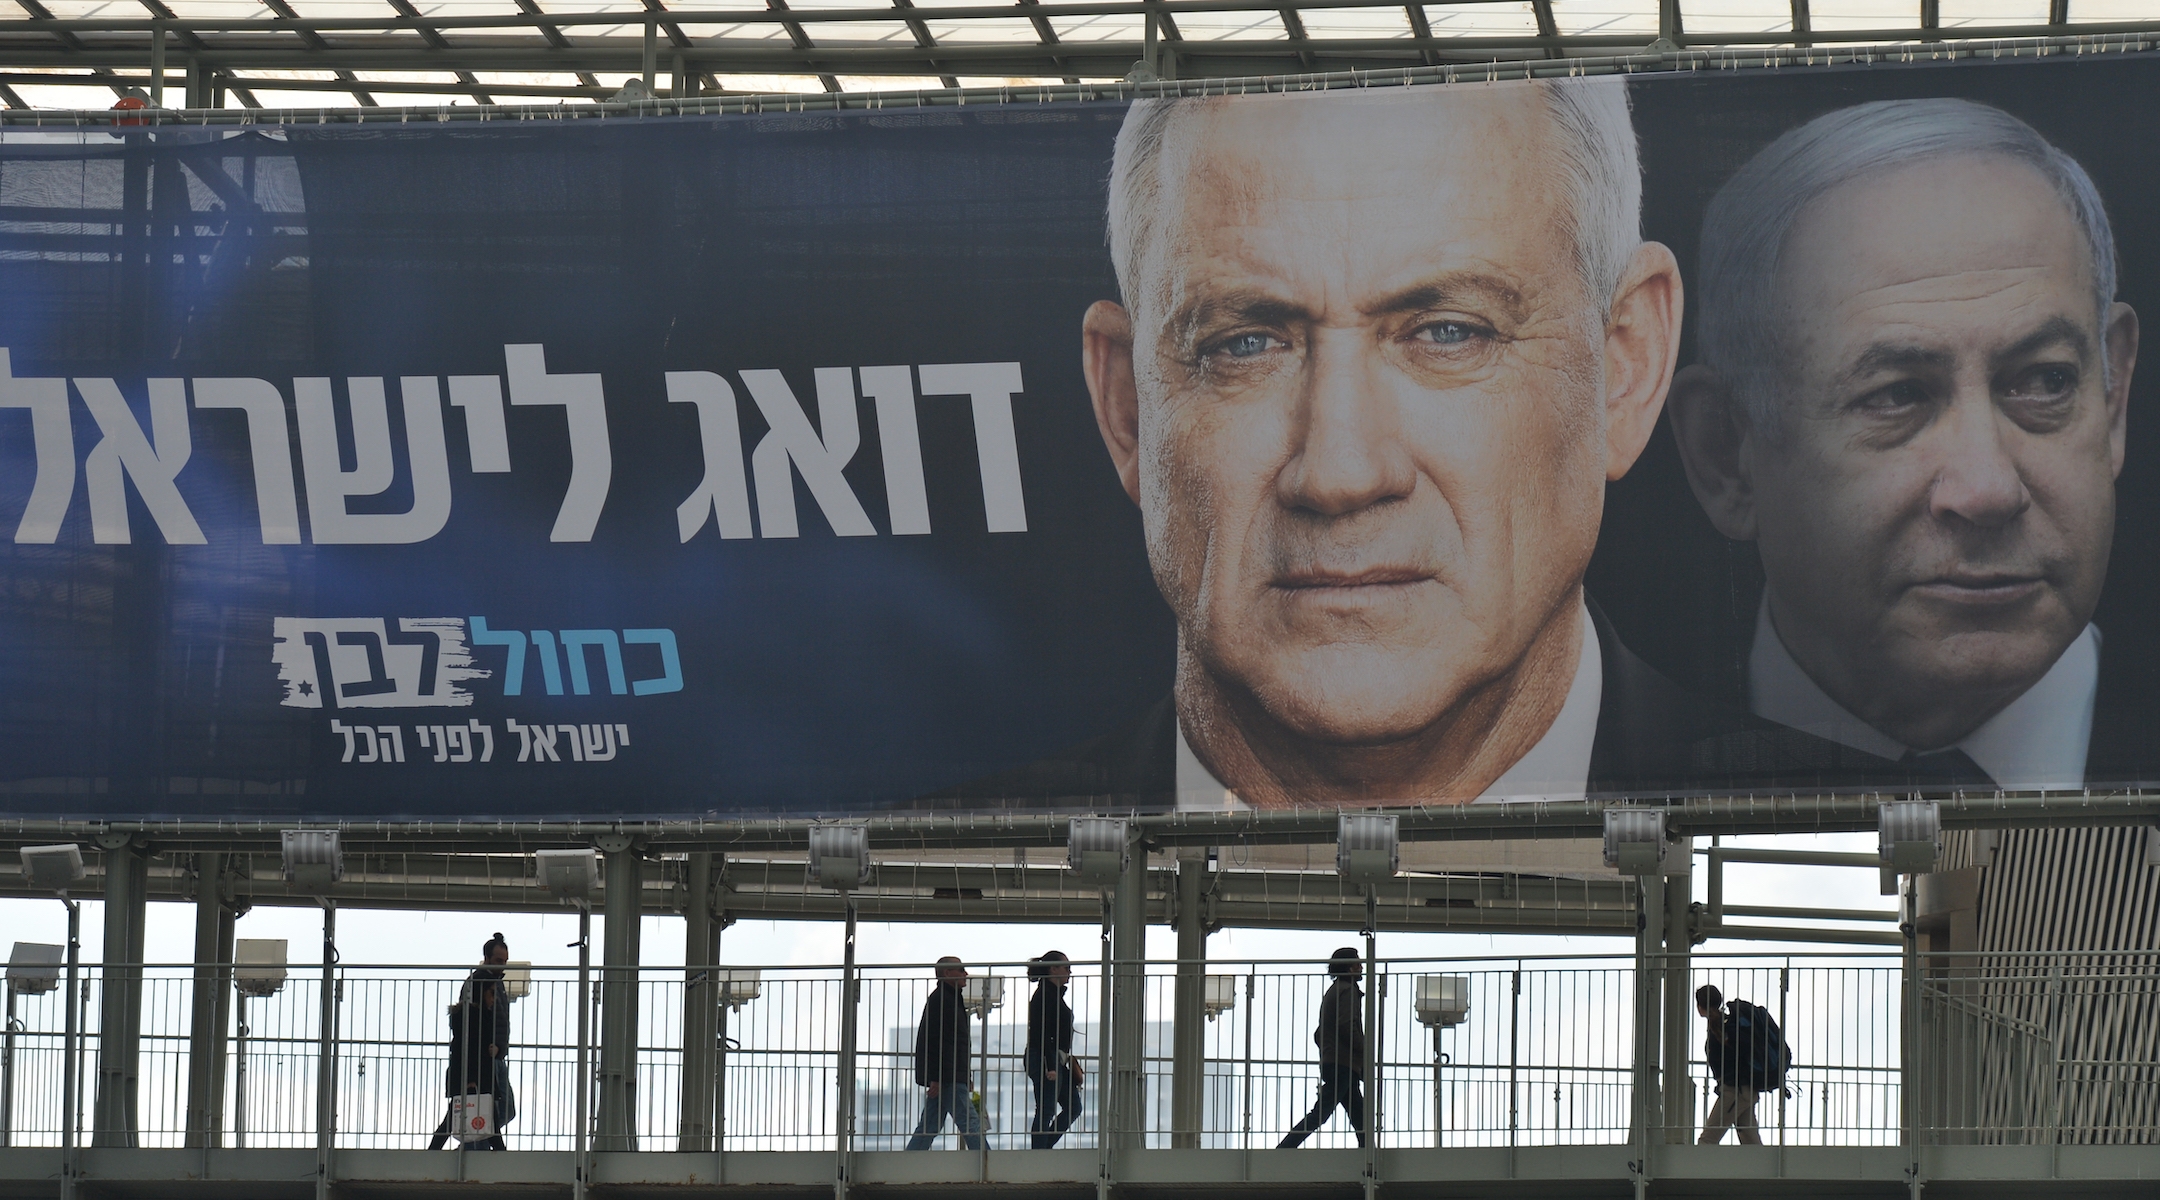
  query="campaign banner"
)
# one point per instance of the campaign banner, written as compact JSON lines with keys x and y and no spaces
{"x":1675,"y":435}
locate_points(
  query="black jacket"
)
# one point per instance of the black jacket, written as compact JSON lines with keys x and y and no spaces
{"x":1652,"y":737}
{"x":479,"y":1019}
{"x":1050,"y":1029}
{"x":942,"y":1039}
{"x":1340,"y":1032}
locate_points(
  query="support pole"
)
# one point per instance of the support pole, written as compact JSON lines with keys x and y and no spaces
{"x":1371,"y":1064}
{"x":157,"y":67}
{"x":1188,"y":1061}
{"x":701,"y":1006}
{"x":1126,"y":1113}
{"x":619,"y":997}
{"x":845,"y":1118}
{"x":652,"y":55}
{"x":1649,"y":947}
{"x":1103,"y":1022}
{"x":581,"y":1134}
{"x":1679,"y":975}
{"x":127,"y":879}
{"x":208,"y":1006}
{"x":70,"y":1155}
{"x":7,"y":1071}
{"x":326,"y":1054}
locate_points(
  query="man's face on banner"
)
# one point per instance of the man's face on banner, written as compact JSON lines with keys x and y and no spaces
{"x":1936,"y":508}
{"x":1371,"y":439}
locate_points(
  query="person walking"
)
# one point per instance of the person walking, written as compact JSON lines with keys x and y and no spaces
{"x":1729,"y":1063}
{"x":942,"y":1046}
{"x":1340,"y":1035}
{"x":479,"y":1042}
{"x":1048,"y":1059}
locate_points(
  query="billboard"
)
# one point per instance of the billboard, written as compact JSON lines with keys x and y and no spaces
{"x":1679,"y":435}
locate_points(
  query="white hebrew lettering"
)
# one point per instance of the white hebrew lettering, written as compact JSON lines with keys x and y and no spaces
{"x":124,"y":451}
{"x":269,"y":446}
{"x":585,"y":409}
{"x":907,"y":500}
{"x":791,"y":447}
{"x":53,"y":438}
{"x":724,"y":494}
{"x":329,"y":485}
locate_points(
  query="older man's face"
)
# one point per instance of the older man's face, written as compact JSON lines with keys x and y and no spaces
{"x":1936,"y":514}
{"x":1371,"y":449}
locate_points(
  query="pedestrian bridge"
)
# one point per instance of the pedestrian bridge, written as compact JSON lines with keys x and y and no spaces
{"x":1556,"y":1076}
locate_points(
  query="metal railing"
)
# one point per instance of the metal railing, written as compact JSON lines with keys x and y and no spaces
{"x":2006,"y":1049}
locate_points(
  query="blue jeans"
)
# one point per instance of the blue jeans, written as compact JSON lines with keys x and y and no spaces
{"x":952,"y":1099}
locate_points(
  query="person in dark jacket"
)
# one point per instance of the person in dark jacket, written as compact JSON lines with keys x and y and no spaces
{"x":942,"y":1046}
{"x":1727,"y":1059}
{"x":1340,"y":1035}
{"x":479,"y":1042}
{"x":1049,"y":1059}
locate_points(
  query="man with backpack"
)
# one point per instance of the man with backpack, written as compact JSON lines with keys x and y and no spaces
{"x":1747,"y":1055}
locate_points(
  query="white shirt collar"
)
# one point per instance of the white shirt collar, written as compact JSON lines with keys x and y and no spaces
{"x":2038,"y":740}
{"x":1556,"y":768}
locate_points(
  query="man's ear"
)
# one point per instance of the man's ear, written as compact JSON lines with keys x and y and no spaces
{"x":1106,"y":358}
{"x":2122,"y":346}
{"x":1714,"y":448}
{"x":1642,"y":343}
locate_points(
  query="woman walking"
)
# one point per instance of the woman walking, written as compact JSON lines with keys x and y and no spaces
{"x":1049,"y":1060}
{"x":479,"y":1042}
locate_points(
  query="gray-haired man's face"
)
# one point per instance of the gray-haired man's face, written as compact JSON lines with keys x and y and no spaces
{"x":1367,"y":406}
{"x":1936,"y":511}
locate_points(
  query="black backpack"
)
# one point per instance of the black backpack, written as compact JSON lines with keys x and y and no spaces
{"x":1764,"y":1054}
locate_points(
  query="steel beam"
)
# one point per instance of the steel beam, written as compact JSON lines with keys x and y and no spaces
{"x":1124,"y":1110}
{"x":1679,"y":1092}
{"x":617,"y":1125}
{"x":701,"y":1006}
{"x":210,"y":1008}
{"x":1188,"y":1066}
{"x":127,"y":870}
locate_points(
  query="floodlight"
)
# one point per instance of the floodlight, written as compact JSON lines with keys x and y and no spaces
{"x":1219,"y":996}
{"x":34,"y":968}
{"x":313,"y":860}
{"x":259,"y":966}
{"x":52,"y":868}
{"x":1366,"y":851}
{"x":567,"y":874}
{"x":1099,"y":849}
{"x":737,"y":985}
{"x":1635,"y":840}
{"x":1443,"y":999}
{"x":840,"y":856}
{"x":980,"y":993}
{"x":517,"y":980}
{"x":1911,"y":835}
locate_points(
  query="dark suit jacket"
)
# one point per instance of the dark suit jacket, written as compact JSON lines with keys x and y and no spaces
{"x":1653,"y":739}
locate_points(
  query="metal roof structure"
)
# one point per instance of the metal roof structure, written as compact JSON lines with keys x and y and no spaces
{"x":79,"y":54}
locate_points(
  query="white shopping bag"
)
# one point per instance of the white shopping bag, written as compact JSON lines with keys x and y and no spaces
{"x":472,"y":1116}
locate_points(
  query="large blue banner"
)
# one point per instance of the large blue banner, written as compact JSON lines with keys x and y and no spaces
{"x":1242,"y":452}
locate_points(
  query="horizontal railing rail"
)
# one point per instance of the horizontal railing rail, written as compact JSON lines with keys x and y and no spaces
{"x":1536,"y":1051}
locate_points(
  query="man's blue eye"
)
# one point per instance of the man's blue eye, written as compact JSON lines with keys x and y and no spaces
{"x":1448,"y":333}
{"x":1245,"y":345}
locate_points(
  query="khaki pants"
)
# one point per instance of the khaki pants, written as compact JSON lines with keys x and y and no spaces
{"x":1733,"y":1109}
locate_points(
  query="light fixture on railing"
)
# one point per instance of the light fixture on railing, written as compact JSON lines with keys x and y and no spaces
{"x":53,"y":868}
{"x":34,"y":968}
{"x":517,"y":980}
{"x":1443,"y":1000}
{"x":1099,"y":849}
{"x":1910,"y":834}
{"x":738,"y":985}
{"x":981,"y":994}
{"x":839,"y":856}
{"x":1219,"y":995}
{"x":313,"y":859}
{"x":259,"y":966}
{"x":1366,"y":848}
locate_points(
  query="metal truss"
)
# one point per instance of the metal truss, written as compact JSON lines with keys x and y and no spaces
{"x":463,"y":49}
